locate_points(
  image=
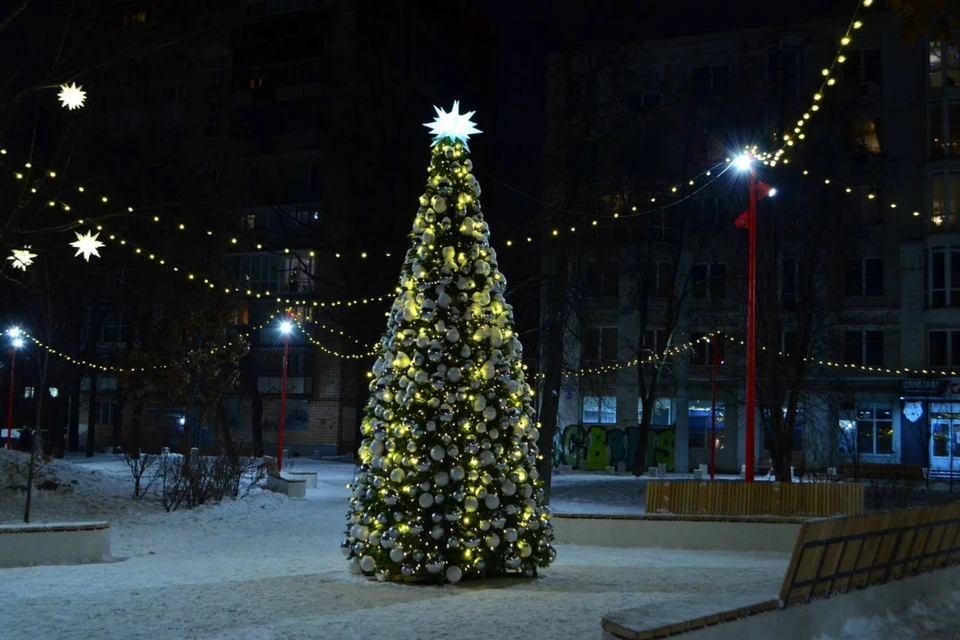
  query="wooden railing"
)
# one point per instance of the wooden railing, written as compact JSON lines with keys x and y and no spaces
{"x":734,"y":498}
{"x":839,"y":554}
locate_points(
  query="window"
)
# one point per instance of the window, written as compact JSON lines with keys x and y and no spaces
{"x":942,"y":278}
{"x":216,"y":76}
{"x":864,"y":348}
{"x":944,"y":65}
{"x":28,"y":392}
{"x":711,"y":82}
{"x":788,"y":342}
{"x":874,"y":430}
{"x":259,"y":272}
{"x":663,"y":275}
{"x":709,"y":281}
{"x":944,"y":197}
{"x":784,"y":73}
{"x":600,"y":344}
{"x":943,"y":129}
{"x":700,"y":420}
{"x":663,"y":226}
{"x":704,"y":350}
{"x":862,"y":66}
{"x":602,"y":280}
{"x":599,"y":410}
{"x":104,"y":412}
{"x":943,"y":348}
{"x":655,"y":342}
{"x":788,"y":284}
{"x":248,"y":220}
{"x":132,"y":19}
{"x":213,"y":118}
{"x":864,"y":277}
{"x":709,"y":212}
{"x":865,"y":135}
{"x":663,"y":413}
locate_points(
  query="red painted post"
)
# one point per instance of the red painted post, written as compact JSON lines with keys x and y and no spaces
{"x":283,"y":399}
{"x":751,"y":430}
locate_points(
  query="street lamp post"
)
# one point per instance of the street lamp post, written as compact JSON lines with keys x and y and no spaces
{"x":748,"y":219}
{"x":14,"y":345}
{"x":285,"y":328}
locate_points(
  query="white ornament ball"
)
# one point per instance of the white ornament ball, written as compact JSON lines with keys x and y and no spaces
{"x":397,"y":554}
{"x":457,"y":474}
{"x":491,"y":501}
{"x":397,"y":475}
{"x":510,"y":535}
{"x":354,"y":565}
{"x":509,"y":488}
{"x":442,"y":478}
{"x":493,"y":541}
{"x":525,"y":550}
{"x":437,"y":453}
{"x":471,"y":503}
{"x":454,"y":574}
{"x":425,"y":500}
{"x":453,"y":335}
{"x":367,"y":563}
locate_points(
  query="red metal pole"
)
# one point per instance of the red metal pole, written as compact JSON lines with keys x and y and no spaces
{"x":13,"y":372}
{"x":283,"y":400}
{"x":751,"y":433}
{"x":713,"y":411}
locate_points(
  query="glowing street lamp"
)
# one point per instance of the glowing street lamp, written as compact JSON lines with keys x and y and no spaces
{"x":286,"y":326}
{"x":15,"y":343}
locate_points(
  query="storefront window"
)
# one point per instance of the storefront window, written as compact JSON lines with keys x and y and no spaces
{"x":874,"y":430}
{"x":700,"y":423}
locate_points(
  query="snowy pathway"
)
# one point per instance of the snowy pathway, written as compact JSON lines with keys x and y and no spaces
{"x":268,"y":567}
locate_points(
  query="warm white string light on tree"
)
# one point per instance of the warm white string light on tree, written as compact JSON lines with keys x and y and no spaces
{"x":447,"y":486}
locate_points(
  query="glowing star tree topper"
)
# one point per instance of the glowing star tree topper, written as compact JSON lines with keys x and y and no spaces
{"x":87,"y":245}
{"x":447,"y":487}
{"x":22,"y":258}
{"x":71,"y":96}
{"x":453,"y":125}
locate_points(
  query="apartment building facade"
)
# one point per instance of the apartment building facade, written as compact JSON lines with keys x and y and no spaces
{"x":878,"y":156}
{"x":292,"y":121}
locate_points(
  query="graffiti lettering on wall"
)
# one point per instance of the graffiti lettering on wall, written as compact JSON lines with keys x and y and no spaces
{"x":603,"y":447}
{"x":298,"y":417}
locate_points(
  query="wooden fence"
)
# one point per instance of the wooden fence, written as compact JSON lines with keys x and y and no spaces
{"x":734,"y":498}
{"x":839,"y":554}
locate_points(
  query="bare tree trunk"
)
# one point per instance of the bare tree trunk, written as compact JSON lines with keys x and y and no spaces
{"x":92,"y":416}
{"x":551,"y":362}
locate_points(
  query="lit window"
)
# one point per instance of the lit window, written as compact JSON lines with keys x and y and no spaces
{"x":870,"y":432}
{"x":599,"y":410}
{"x":663,"y":413}
{"x":28,"y":392}
{"x":700,"y":419}
{"x":865,"y":135}
{"x":944,"y":65}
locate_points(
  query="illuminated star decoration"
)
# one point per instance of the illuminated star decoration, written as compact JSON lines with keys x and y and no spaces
{"x":87,"y":245}
{"x":22,"y":258}
{"x":72,"y":96}
{"x":452,"y":124}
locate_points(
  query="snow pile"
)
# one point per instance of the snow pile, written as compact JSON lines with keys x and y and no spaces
{"x":269,"y":567}
{"x":934,"y":619}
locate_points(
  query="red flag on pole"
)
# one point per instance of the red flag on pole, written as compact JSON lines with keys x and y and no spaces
{"x":743,"y":220}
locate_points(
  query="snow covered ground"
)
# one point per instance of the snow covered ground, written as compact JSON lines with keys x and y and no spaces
{"x":270,"y":567}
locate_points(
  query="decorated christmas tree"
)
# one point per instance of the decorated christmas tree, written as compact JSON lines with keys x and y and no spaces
{"x":447,"y":486}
